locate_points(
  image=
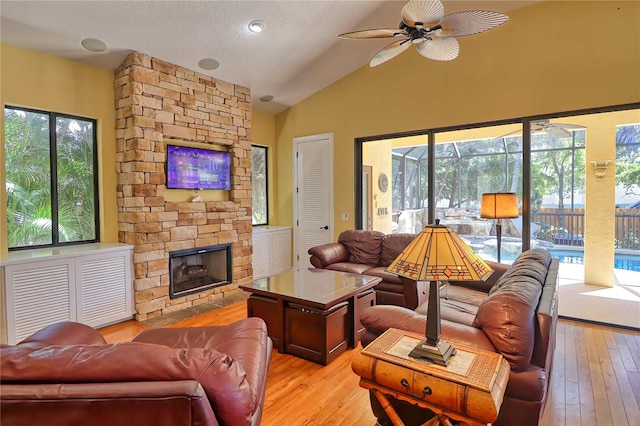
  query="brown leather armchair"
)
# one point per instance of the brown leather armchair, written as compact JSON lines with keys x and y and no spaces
{"x":66,"y":374}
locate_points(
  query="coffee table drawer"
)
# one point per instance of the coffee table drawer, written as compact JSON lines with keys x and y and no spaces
{"x":315,"y":334}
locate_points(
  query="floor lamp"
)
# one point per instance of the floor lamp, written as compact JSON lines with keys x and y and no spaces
{"x":499,"y":205}
{"x":438,"y":254}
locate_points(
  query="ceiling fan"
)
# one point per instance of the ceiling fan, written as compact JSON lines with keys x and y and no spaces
{"x":425,"y":25}
{"x":560,"y":130}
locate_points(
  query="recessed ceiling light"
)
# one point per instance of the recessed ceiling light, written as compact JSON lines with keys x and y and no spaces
{"x":93,"y":44}
{"x":256,"y":26}
{"x":208,"y":64}
{"x":266,"y":98}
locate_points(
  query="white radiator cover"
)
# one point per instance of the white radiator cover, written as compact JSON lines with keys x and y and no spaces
{"x":271,"y":250}
{"x":90,"y":284}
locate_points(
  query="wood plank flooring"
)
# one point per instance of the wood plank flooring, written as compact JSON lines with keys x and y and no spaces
{"x":595,"y":380}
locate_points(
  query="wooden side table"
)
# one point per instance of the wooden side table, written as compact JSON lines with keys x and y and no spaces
{"x":469,"y":390}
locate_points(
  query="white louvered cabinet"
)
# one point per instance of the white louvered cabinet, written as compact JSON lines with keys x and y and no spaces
{"x":271,"y":250}
{"x":91,"y":284}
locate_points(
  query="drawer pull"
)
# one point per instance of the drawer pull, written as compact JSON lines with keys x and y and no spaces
{"x":405,"y":384}
{"x":426,"y":391}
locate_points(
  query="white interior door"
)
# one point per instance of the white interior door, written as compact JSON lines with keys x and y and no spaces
{"x":313,"y":191}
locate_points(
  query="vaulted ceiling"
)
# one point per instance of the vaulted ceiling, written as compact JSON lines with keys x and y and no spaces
{"x":297,"y":54}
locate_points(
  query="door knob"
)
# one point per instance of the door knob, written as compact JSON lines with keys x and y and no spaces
{"x":324,"y":227}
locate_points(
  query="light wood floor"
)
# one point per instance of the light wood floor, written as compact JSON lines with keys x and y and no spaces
{"x":595,"y":380}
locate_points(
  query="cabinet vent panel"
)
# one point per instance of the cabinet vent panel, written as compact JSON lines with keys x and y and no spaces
{"x":32,"y":310}
{"x":281,"y":251}
{"x":104,"y":290}
{"x":261,"y":261}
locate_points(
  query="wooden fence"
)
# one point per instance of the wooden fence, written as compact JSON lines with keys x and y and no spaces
{"x":567,"y":227}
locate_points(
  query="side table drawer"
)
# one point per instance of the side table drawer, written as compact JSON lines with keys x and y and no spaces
{"x":448,"y":395}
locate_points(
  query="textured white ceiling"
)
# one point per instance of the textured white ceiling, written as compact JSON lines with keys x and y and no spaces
{"x":298,"y":54}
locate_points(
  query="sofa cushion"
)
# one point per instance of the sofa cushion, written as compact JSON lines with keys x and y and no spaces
{"x":392,"y":246}
{"x":364,"y":246}
{"x":454,"y":311}
{"x":353,"y":268}
{"x":381,"y":272}
{"x":507,"y":316}
{"x":454,"y":292}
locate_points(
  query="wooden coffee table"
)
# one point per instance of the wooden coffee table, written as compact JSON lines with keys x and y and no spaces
{"x":312,"y":313}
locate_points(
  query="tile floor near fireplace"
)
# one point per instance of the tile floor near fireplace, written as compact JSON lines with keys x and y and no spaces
{"x":199,"y":269}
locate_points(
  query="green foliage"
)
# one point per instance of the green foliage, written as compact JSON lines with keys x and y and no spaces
{"x":547,"y":230}
{"x":629,"y":241}
{"x":628,"y":158}
{"x":28,"y":179}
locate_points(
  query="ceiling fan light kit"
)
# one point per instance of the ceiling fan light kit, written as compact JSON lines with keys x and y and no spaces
{"x":425,"y":25}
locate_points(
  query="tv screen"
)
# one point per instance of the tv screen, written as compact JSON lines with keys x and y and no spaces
{"x":195,"y":168}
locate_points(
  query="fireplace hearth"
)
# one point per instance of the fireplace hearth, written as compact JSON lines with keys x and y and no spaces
{"x":199,"y":269}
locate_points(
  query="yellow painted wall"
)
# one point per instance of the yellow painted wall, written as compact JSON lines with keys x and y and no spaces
{"x":379,"y":158}
{"x":34,"y":80}
{"x":546,"y":59}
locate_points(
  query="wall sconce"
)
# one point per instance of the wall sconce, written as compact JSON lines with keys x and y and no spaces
{"x":600,"y":168}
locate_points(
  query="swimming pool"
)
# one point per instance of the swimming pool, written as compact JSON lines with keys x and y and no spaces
{"x":628,"y":262}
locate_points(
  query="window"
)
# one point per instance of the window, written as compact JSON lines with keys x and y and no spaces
{"x":51,"y":179}
{"x":259,"y":185}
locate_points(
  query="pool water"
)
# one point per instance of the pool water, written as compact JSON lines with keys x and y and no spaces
{"x":628,"y":262}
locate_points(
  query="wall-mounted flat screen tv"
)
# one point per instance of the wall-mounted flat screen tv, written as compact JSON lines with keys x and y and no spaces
{"x":195,"y":168}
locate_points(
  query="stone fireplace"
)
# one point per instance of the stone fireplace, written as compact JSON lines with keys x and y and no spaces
{"x":158,"y":102}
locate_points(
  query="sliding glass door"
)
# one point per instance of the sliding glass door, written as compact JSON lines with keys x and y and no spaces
{"x":549,"y":163}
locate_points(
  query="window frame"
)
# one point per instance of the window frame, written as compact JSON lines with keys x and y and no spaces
{"x":266,"y":183}
{"x":53,"y":161}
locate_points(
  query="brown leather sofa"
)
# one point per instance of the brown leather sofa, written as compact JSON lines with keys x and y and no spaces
{"x":66,"y":374}
{"x":369,"y":253}
{"x":513,"y":313}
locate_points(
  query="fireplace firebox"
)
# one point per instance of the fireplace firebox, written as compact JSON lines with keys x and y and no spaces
{"x":199,"y":269}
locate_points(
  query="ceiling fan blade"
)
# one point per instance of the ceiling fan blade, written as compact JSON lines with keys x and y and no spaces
{"x":378,"y":33}
{"x":390,"y":51}
{"x":439,"y":49}
{"x":426,"y":12}
{"x":470,"y":22}
{"x":569,"y":126}
{"x":558,"y":131}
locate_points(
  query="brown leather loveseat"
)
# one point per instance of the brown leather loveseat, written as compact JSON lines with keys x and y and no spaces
{"x":513,"y":313}
{"x":66,"y":374}
{"x":370,"y":253}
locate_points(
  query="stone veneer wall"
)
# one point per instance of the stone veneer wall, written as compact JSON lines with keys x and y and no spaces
{"x":156,"y":101}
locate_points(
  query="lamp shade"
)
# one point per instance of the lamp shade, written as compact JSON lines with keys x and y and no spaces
{"x":439,"y":254}
{"x":499,"y":205}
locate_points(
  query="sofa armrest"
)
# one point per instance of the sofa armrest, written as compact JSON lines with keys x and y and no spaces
{"x":326,"y":254}
{"x":498,"y":270}
{"x":65,"y":333}
{"x":378,"y":319}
